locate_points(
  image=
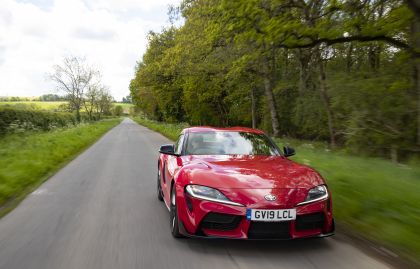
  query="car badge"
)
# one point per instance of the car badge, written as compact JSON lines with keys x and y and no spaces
{"x":270,"y":197}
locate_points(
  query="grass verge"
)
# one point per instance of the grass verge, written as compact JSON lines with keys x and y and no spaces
{"x":170,"y":130}
{"x":373,"y":197}
{"x":28,"y":159}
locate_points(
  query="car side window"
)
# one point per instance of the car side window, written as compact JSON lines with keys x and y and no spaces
{"x":178,"y":145}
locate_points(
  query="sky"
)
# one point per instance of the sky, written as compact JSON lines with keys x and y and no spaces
{"x":111,"y":35}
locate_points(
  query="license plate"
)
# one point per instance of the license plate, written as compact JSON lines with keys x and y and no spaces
{"x":270,"y":215}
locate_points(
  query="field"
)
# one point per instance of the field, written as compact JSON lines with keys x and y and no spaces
{"x":29,"y":158}
{"x":50,"y":105}
{"x":373,"y":197}
{"x":126,"y":107}
{"x":33,"y":105}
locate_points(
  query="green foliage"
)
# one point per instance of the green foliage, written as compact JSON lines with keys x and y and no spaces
{"x":159,"y":95}
{"x":337,"y":71}
{"x":27,"y":159}
{"x":52,"y":98}
{"x":127,"y":108}
{"x":118,"y":110}
{"x":15,"y":119}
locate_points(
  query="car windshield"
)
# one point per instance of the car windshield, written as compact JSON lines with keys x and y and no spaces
{"x":229,"y":143}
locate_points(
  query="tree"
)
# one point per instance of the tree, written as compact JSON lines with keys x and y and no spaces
{"x":90,"y":102}
{"x":73,"y":78}
{"x":415,"y":42}
{"x":127,"y":99}
{"x":345,"y":71}
{"x":51,"y":98}
{"x":104,"y":102}
{"x":118,"y":110}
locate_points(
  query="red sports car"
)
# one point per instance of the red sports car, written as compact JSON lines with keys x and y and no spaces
{"x":236,"y":183}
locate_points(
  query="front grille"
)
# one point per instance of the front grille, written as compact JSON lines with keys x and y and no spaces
{"x":269,"y":230}
{"x":310,"y":221}
{"x":223,"y":222}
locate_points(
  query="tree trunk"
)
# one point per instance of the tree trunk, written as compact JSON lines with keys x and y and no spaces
{"x":416,"y":67}
{"x":374,"y":54}
{"x":415,"y":39}
{"x":349,"y":57}
{"x":286,"y":63}
{"x":78,"y":114}
{"x":418,"y":99}
{"x":326,"y":100}
{"x":415,"y":35}
{"x":271,"y":105}
{"x":304,"y":59}
{"x":268,"y":90}
{"x":394,"y":153}
{"x":253,"y":108}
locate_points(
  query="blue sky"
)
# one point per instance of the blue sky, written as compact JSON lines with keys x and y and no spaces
{"x":110,"y":34}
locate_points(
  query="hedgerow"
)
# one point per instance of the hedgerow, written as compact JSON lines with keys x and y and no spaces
{"x":12,"y":120}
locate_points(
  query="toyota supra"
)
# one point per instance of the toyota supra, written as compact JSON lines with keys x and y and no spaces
{"x":236,"y":183}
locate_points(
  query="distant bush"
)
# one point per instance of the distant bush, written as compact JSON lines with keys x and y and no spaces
{"x":118,"y":110}
{"x":12,"y":120}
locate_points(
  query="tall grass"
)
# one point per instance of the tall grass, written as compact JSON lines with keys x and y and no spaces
{"x":373,"y":197}
{"x":27,"y":159}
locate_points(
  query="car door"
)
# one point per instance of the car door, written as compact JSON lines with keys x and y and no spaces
{"x":170,"y":166}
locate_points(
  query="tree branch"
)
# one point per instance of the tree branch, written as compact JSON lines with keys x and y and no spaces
{"x":357,"y":38}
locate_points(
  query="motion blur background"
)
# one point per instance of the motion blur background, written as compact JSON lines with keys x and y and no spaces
{"x":337,"y":80}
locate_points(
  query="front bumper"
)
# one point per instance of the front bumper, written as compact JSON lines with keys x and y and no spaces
{"x":206,"y":219}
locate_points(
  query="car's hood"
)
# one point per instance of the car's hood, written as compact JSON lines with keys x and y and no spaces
{"x":250,"y":172}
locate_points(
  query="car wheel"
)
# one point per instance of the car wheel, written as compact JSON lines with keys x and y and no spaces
{"x":174,"y":215}
{"x":159,"y":187}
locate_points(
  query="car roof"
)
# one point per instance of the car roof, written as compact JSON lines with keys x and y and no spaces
{"x":201,"y":129}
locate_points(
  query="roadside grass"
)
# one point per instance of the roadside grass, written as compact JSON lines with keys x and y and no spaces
{"x":373,"y":197}
{"x":27,"y":159}
{"x":170,"y":130}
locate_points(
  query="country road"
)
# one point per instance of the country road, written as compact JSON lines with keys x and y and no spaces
{"x":101,"y":211}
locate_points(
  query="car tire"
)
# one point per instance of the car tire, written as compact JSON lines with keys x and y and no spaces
{"x":174,"y":222}
{"x":159,"y":187}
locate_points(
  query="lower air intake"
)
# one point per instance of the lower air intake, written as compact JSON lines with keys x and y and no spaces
{"x":310,"y":221}
{"x":269,"y":230}
{"x":222,"y":222}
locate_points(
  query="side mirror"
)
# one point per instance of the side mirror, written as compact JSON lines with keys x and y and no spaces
{"x":168,"y":149}
{"x":288,"y":151}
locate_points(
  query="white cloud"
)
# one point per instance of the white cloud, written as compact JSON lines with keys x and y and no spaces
{"x":126,"y":5}
{"x":35,"y":35}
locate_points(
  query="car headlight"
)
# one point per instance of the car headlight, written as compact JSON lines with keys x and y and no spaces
{"x":209,"y":194}
{"x":315,"y":194}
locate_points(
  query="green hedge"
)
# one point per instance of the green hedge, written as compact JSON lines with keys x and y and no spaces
{"x":12,"y":120}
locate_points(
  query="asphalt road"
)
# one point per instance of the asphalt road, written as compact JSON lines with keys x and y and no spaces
{"x":101,"y":211}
